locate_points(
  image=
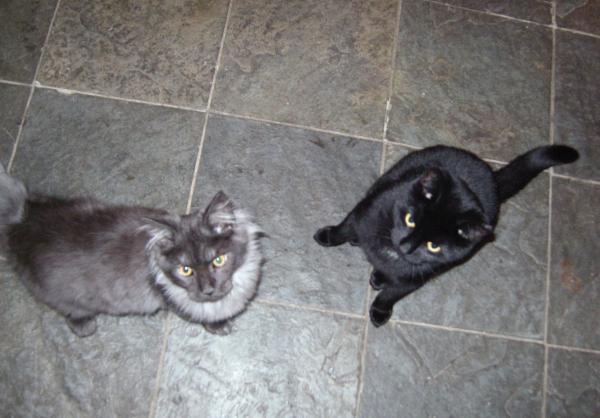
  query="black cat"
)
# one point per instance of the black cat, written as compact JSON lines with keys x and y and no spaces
{"x":431,"y":211}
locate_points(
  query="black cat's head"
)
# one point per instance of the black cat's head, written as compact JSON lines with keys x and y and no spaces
{"x":435,"y":220}
{"x":199,"y":252}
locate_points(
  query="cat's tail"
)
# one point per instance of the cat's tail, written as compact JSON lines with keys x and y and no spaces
{"x":12,"y":198}
{"x":520,"y":171}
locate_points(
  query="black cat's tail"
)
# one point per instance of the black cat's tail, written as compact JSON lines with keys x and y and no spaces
{"x":520,"y":171}
{"x":12,"y":198}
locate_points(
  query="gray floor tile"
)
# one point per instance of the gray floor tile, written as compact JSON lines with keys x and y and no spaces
{"x":421,"y":372}
{"x":276,"y":363}
{"x":46,"y":371}
{"x":12,"y":105}
{"x":573,"y":384}
{"x":148,"y":51}
{"x":501,"y":289}
{"x":577,"y":114}
{"x":470,"y":80}
{"x":323,"y":64}
{"x":575,"y":282}
{"x":23,"y":30}
{"x":582,"y":15}
{"x":122,"y":152}
{"x":534,"y":10}
{"x":294,"y":182}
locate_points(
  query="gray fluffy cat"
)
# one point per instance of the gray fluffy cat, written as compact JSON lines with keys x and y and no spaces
{"x":84,"y":258}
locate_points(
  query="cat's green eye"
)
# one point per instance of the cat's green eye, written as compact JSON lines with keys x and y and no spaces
{"x":219,"y":261}
{"x":408,"y":220}
{"x":185,"y":271}
{"x":432,"y":248}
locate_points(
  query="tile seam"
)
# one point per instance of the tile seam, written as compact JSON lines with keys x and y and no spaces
{"x":15,"y":83}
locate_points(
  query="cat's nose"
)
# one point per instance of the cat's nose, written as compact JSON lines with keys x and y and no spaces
{"x":407,"y":247}
{"x":208,"y":290}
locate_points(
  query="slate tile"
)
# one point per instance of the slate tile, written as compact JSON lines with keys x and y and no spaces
{"x":293,"y":181}
{"x":45,"y":370}
{"x":321,"y":64}
{"x":573,"y":384}
{"x":23,"y":30}
{"x":575,"y":279}
{"x":12,"y":105}
{"x":151,"y":50}
{"x":577,"y":114}
{"x":421,"y":372}
{"x":121,"y":152}
{"x":581,"y":15}
{"x":470,"y":80}
{"x":534,"y":10}
{"x":501,"y":289}
{"x":277,"y":362}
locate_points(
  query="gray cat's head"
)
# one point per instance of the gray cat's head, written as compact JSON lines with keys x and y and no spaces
{"x":199,"y":252}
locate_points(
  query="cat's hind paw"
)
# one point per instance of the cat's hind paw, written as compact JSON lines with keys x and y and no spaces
{"x":219,"y":328}
{"x":82,"y":327}
{"x":378,"y":317}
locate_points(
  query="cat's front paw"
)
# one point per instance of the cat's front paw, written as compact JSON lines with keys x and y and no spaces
{"x":82,"y":327}
{"x":324,"y":237}
{"x":219,"y":328}
{"x":379,"y":317}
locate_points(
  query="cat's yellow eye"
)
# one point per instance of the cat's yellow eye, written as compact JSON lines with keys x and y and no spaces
{"x":219,"y":261}
{"x":408,"y":220}
{"x":185,"y":271}
{"x":432,"y":248}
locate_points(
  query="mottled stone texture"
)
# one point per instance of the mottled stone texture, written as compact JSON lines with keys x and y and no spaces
{"x":123,"y":152}
{"x":575,"y":278}
{"x":535,"y":10}
{"x":581,"y":15}
{"x":420,"y":372}
{"x":501,"y":289}
{"x":46,"y":371}
{"x":577,"y":117}
{"x":23,"y":29}
{"x":318,"y":63}
{"x":12,"y":105}
{"x":472,"y":80}
{"x":278,"y":362}
{"x":152,"y":50}
{"x":573,"y":384}
{"x":294,"y":181}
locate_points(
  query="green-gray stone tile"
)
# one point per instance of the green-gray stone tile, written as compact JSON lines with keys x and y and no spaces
{"x":538,"y":11}
{"x":23,"y":29}
{"x":575,"y":278}
{"x":501,"y":289}
{"x":421,"y":372}
{"x":150,"y":50}
{"x":577,"y":114}
{"x":322,"y":64}
{"x":277,"y":362}
{"x":294,"y":182}
{"x":12,"y":105}
{"x":581,"y":15}
{"x":470,"y":80}
{"x":47,"y":371}
{"x":121,"y":152}
{"x":573,"y":384}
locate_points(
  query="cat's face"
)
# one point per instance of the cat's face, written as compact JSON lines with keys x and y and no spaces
{"x":433,"y":220}
{"x":200,"y":252}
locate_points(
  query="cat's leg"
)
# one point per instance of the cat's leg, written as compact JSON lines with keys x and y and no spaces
{"x":383,"y":305}
{"x":218,"y":328}
{"x":378,"y":280}
{"x":331,"y":236}
{"x":83,"y":326}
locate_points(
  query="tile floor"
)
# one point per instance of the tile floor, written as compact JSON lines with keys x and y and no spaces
{"x":294,"y":108}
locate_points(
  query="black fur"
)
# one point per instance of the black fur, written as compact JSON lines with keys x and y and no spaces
{"x":433,"y":210}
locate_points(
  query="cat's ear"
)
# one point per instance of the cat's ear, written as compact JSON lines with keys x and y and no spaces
{"x":430,"y":183}
{"x":219,"y":216}
{"x":476,"y":231}
{"x":161,"y":231}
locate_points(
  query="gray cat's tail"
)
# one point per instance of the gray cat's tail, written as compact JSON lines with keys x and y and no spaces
{"x":12,"y":198}
{"x":520,"y":171}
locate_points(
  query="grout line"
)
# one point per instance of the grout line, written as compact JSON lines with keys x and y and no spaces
{"x":120,"y":99}
{"x":14,"y":83}
{"x":575,"y":349}
{"x":294,"y":125}
{"x":577,"y":179}
{"x":578,"y":32}
{"x":363,"y":361}
{"x":262,"y":301}
{"x":161,"y":361}
{"x":35,"y":75}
